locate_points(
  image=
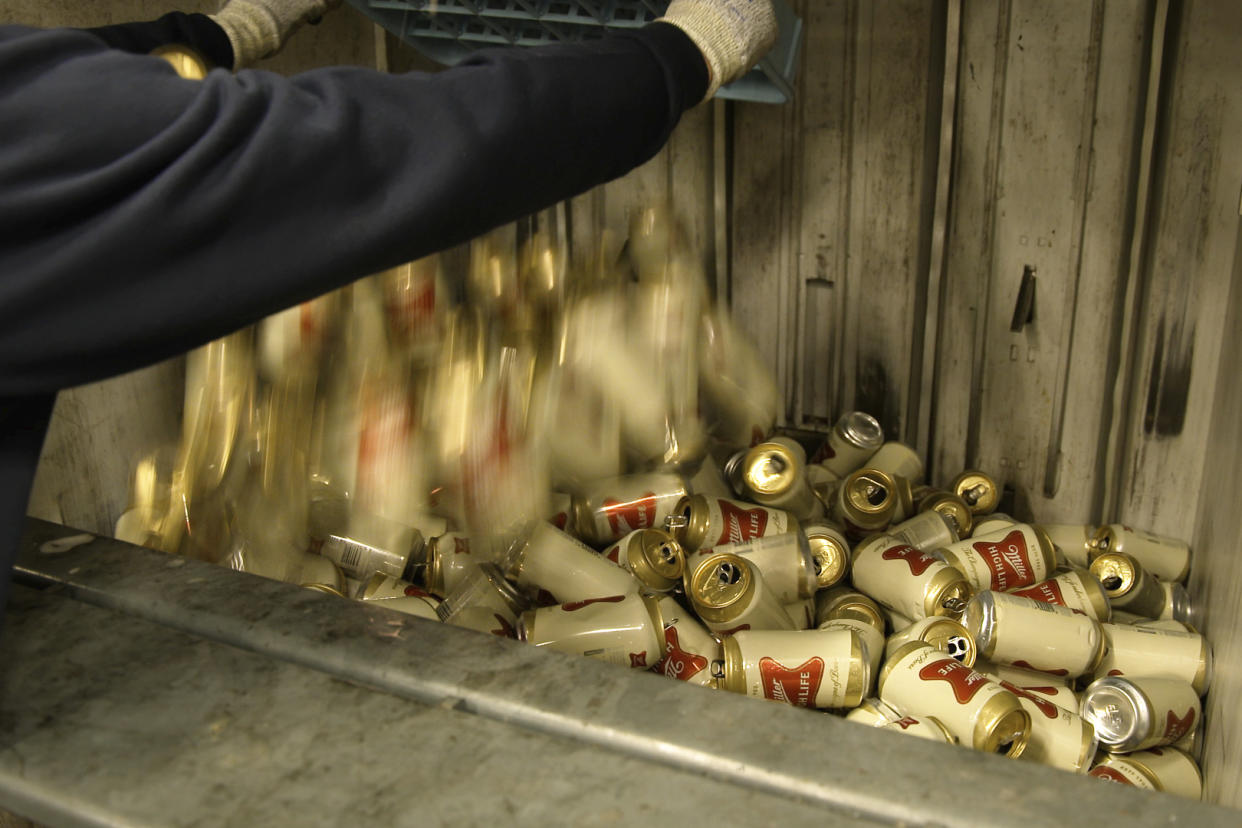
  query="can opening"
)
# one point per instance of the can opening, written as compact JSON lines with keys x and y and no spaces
{"x":728,"y":573}
{"x":973,"y":495}
{"x":1112,"y":583}
{"x":667,"y":553}
{"x":958,"y":647}
{"x":876,"y":495}
{"x":775,"y":465}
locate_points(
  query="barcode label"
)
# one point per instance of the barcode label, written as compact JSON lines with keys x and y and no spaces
{"x":352,"y":557}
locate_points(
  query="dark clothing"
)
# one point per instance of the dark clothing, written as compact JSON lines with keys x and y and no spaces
{"x":198,"y":31}
{"x":142,"y":214}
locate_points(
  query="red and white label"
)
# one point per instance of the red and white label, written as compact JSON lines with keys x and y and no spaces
{"x":1046,"y":707}
{"x":1048,"y":592}
{"x":917,"y":560}
{"x":678,"y":663}
{"x":1108,"y":774}
{"x":741,"y":524}
{"x":964,"y":681}
{"x":626,"y":516}
{"x":1175,"y":727}
{"x":1008,"y":560}
{"x":797,"y":686}
{"x":574,"y":606}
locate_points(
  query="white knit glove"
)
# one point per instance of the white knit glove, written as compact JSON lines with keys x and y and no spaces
{"x":731,"y":34}
{"x":258,"y":28}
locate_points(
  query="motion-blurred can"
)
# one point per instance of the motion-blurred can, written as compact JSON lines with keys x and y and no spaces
{"x":626,"y":630}
{"x":395,"y":594}
{"x":611,"y":509}
{"x":566,"y":568}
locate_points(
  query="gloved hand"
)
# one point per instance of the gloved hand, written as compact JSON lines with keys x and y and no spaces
{"x":259,"y":28}
{"x":731,"y":34}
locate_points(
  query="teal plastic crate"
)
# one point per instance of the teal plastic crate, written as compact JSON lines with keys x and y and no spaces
{"x":448,"y":30}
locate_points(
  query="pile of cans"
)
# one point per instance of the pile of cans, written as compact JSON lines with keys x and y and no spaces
{"x":585,"y":459}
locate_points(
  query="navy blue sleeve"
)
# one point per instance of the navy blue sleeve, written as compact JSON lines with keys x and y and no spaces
{"x":142,"y":214}
{"x":197,"y":31}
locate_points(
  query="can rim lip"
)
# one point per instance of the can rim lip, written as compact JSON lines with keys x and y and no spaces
{"x":781,"y":482}
{"x":1119,"y":688}
{"x":855,"y":500}
{"x":861,"y":429}
{"x":1120,"y":565}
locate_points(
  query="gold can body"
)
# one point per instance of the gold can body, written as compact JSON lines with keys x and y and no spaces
{"x":1015,"y":557}
{"x":1138,"y":650}
{"x":729,"y":594}
{"x":1034,"y":635}
{"x":1077,"y":590}
{"x":567,"y":569}
{"x":976,"y":710}
{"x":620,"y":629}
{"x":822,"y":669}
{"x":449,"y":560}
{"x":689,"y":649}
{"x":613,"y":508}
{"x":907,"y":581}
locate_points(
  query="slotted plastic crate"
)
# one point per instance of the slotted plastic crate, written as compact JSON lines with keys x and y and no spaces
{"x":448,"y":30}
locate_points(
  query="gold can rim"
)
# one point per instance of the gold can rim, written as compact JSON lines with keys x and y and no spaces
{"x":1115,"y":565}
{"x":858,"y":496}
{"x":714,"y":600}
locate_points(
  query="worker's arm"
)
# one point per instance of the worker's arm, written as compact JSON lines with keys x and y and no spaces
{"x":198,"y":31}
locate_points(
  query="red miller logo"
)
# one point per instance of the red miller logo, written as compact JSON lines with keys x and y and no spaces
{"x":1008,"y":560}
{"x":1046,"y":707}
{"x":614,"y":554}
{"x":741,"y":524}
{"x":1052,"y":671}
{"x":797,"y":686}
{"x":1175,"y":728}
{"x":628,"y":515}
{"x":964,"y":681}
{"x":574,"y":606}
{"x":1109,"y":775}
{"x":678,"y":663}
{"x":916,"y":560}
{"x":505,"y":630}
{"x":415,"y":592}
{"x":638,"y":659}
{"x":1047,"y":592}
{"x":906,"y":722}
{"x":461,"y":546}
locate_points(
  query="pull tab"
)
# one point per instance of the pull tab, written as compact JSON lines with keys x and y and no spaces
{"x":1024,"y":308}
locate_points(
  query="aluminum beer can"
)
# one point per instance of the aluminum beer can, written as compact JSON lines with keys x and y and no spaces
{"x":773,"y":473}
{"x":561,"y":511}
{"x":613,"y":508}
{"x":1034,"y":635}
{"x":871,"y":639}
{"x":948,"y":504}
{"x":449,"y":559}
{"x":926,"y":530}
{"x":1159,"y":769}
{"x":897,"y":460}
{"x":360,"y":560}
{"x":620,"y":629}
{"x":1147,"y":651}
{"x":699,"y":521}
{"x":976,"y":710}
{"x":945,"y":634}
{"x":830,"y":552}
{"x":729,"y":594}
{"x":784,"y":560}
{"x":843,"y":602}
{"x":822,"y":669}
{"x":1135,"y":713}
{"x":995,"y":522}
{"x":491,"y":604}
{"x":907,"y":581}
{"x":568,"y":569}
{"x":866,"y":502}
{"x":319,"y":572}
{"x":852,"y":442}
{"x":395,"y":594}
{"x":651,"y":556}
{"x":802,"y":613}
{"x":979,"y":490}
{"x":1041,"y":685}
{"x":1128,"y":586}
{"x":1176,"y":603}
{"x":924,"y":727}
{"x":1166,"y":558}
{"x":689,"y":649}
{"x":1015,"y":557}
{"x":1074,"y":541}
{"x":1077,"y":589}
{"x":824,"y":485}
{"x":873,"y":712}
{"x":1059,"y":737}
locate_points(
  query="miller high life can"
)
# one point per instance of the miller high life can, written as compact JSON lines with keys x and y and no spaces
{"x":561,"y":511}
{"x":878,"y":713}
{"x":730,"y":594}
{"x":867,"y":501}
{"x":907,"y":581}
{"x":698,"y":521}
{"x":1159,"y":769}
{"x":1146,"y":651}
{"x":830,"y":550}
{"x":802,"y":613}
{"x":869,"y":636}
{"x":1077,"y":589}
{"x":976,"y":710}
{"x":897,"y":460}
{"x":1129,"y":587}
{"x":1015,"y":557}
{"x":995,"y":522}
{"x":320,"y":572}
{"x":613,"y":508}
{"x":873,"y":712}
{"x":1042,"y":685}
{"x":449,"y":559}
{"x":773,"y":473}
{"x":395,"y":594}
{"x":1134,"y":713}
{"x":842,"y":602}
{"x":626,"y":630}
{"x":824,"y":485}
{"x":979,"y":490}
{"x":689,"y":649}
{"x":651,"y":556}
{"x":851,"y":442}
{"x":945,"y":634}
{"x":492,"y":606}
{"x":822,"y":669}
{"x":926,"y":530}
{"x":784,"y":560}
{"x":1176,"y":603}
{"x":1166,"y":558}
{"x":1034,"y":635}
{"x":1059,"y":737}
{"x":1074,"y":541}
{"x":568,"y":569}
{"x":360,"y":560}
{"x":927,"y":499}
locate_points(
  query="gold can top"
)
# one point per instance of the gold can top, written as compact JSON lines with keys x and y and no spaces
{"x":1117,"y":573}
{"x":1003,"y":726}
{"x":831,"y":553}
{"x":978,"y":490}
{"x":770,"y":469}
{"x":734,"y":678}
{"x":952,"y":507}
{"x":948,"y":594}
{"x":950,"y":636}
{"x":657,"y":560}
{"x":839,"y":602}
{"x":688,"y":522}
{"x":719,"y":586}
{"x":870,"y":492}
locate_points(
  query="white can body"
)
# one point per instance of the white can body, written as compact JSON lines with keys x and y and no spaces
{"x":896,"y":575}
{"x":394,"y":594}
{"x":1059,"y":737}
{"x":811,"y":668}
{"x":1041,"y":685}
{"x":1008,"y":559}
{"x":1036,"y":636}
{"x":1148,"y":651}
{"x":1066,"y":590}
{"x":568,"y":569}
{"x":617,"y":629}
{"x":1073,"y":539}
{"x":871,"y":639}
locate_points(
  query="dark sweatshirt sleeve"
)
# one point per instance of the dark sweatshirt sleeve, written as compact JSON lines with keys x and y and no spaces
{"x":142,"y":214}
{"x":197,"y":31}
